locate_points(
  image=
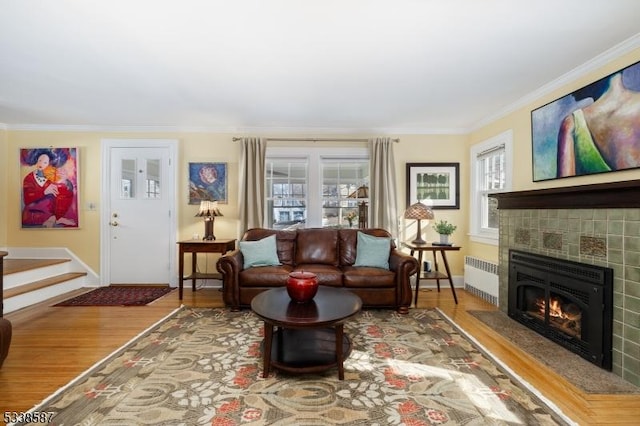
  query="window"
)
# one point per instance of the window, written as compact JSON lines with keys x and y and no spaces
{"x":286,"y":192}
{"x":491,"y":172}
{"x":315,"y":187}
{"x":341,"y":180}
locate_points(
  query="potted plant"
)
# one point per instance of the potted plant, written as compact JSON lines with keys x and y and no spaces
{"x":445,"y":229}
{"x":350,"y":217}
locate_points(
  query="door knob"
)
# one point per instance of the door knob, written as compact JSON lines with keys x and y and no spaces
{"x":114,"y":223}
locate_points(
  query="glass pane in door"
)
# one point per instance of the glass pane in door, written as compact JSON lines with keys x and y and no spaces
{"x":128,"y":179}
{"x":152,"y":181}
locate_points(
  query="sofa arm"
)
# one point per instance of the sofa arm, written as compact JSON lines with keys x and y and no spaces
{"x":404,"y":266}
{"x":230,"y":266}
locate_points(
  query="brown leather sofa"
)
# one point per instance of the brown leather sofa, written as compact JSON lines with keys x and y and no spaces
{"x":330,"y":254}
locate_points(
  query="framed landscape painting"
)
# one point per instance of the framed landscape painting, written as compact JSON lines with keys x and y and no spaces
{"x":207,"y":182}
{"x":434,"y":184}
{"x":49,"y":188}
{"x":595,"y":129}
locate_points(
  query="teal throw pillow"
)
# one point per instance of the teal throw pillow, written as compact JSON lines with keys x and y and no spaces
{"x":372,"y":251}
{"x":260,"y":253}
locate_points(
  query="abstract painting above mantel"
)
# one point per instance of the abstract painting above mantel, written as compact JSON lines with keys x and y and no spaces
{"x":595,"y":129}
{"x":207,"y":182}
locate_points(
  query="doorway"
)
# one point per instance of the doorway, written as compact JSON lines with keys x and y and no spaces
{"x":138,"y":218}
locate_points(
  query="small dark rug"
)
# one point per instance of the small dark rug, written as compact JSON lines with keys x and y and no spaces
{"x":578,"y":371}
{"x":120,"y":295}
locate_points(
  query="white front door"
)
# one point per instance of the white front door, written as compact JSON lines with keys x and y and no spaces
{"x":139,"y":220}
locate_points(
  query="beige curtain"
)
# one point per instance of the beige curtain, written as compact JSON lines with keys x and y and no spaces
{"x":251,"y":193}
{"x":382,"y":187}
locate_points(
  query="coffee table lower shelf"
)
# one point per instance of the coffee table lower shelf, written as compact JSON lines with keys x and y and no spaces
{"x":302,"y":351}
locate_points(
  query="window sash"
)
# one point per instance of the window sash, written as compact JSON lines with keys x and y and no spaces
{"x":492,"y":170}
{"x":489,"y":211}
{"x":491,"y":179}
{"x":286,"y":192}
{"x":341,"y":179}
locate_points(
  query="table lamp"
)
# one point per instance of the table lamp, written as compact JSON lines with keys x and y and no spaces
{"x":208,"y":210}
{"x":419,"y":212}
{"x":363,"y":208}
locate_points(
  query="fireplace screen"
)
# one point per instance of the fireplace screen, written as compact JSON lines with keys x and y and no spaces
{"x":560,"y":312}
{"x":568,"y":302}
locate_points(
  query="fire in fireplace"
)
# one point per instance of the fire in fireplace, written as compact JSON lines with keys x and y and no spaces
{"x":567,"y":302}
{"x":564,"y":315}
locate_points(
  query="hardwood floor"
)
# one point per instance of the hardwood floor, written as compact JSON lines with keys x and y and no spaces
{"x":53,"y":345}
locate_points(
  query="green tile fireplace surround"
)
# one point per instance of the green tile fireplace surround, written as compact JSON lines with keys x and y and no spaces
{"x":594,"y":224}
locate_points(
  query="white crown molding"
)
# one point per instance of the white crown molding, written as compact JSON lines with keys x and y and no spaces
{"x":599,"y":61}
{"x":241,"y":130}
{"x":351,"y":131}
{"x":117,"y":129}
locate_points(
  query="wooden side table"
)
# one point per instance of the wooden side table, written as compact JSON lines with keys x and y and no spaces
{"x":435,"y":274}
{"x":199,"y":246}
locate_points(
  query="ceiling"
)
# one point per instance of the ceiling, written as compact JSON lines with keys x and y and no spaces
{"x":314,"y":66}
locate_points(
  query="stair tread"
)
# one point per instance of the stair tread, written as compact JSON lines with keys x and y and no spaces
{"x":12,"y":266}
{"x":37,"y":285}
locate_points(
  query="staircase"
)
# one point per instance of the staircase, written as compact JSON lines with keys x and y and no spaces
{"x":28,"y":281}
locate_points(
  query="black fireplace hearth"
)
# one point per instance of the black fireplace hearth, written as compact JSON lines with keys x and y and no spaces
{"x":568,"y":302}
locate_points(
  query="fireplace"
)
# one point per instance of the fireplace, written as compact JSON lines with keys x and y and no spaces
{"x":568,"y":302}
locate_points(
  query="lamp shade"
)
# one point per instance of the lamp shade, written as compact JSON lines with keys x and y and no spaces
{"x":361,"y":192}
{"x":208,"y":209}
{"x":418,"y":211}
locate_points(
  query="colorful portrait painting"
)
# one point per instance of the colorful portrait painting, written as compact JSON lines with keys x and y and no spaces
{"x":49,"y":187}
{"x":207,"y":182}
{"x":595,"y":129}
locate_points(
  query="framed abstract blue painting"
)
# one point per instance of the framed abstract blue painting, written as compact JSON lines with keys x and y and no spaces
{"x":595,"y":129}
{"x":208,"y":182}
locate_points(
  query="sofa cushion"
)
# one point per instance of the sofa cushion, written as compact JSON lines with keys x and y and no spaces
{"x":317,"y":246}
{"x":327,"y":274}
{"x":372,"y":251}
{"x":265,"y":276}
{"x":366,"y":277}
{"x":286,"y":243}
{"x":259,"y":253}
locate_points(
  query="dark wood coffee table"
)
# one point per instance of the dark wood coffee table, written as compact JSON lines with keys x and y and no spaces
{"x":310,"y":336}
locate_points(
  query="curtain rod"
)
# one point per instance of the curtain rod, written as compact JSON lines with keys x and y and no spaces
{"x":317,"y":139}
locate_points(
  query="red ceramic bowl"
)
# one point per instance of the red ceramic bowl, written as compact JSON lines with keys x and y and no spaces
{"x":302,"y":286}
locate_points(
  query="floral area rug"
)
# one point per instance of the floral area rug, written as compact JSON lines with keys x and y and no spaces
{"x":204,"y":367}
{"x":118,"y":295}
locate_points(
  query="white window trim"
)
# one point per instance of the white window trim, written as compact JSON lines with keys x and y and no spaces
{"x":477,"y":233}
{"x":314,"y":155}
